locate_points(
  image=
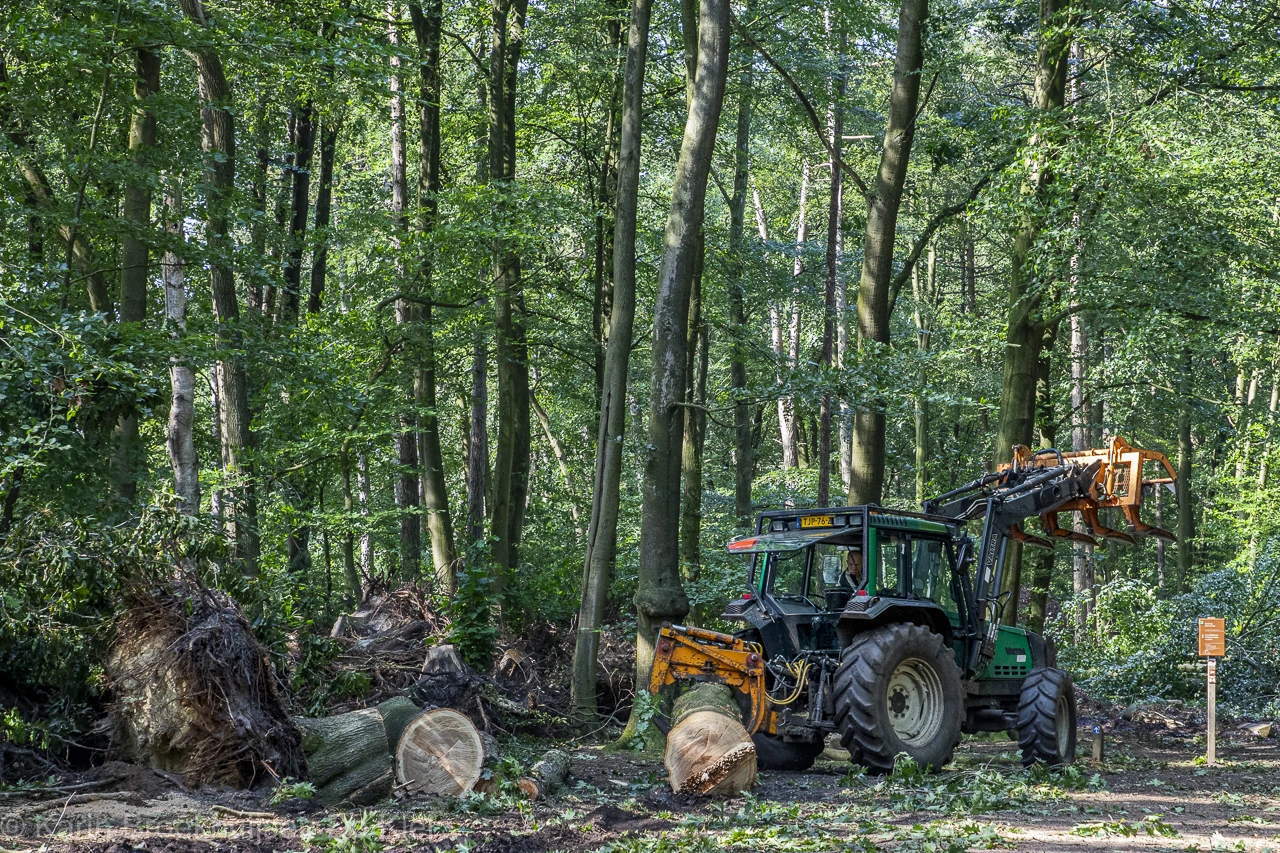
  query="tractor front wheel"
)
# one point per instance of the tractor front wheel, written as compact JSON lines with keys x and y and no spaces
{"x":1047,"y":718}
{"x":898,"y":690}
{"x":774,"y":753}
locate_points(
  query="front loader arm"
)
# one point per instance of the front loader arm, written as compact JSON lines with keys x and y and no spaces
{"x":696,"y":654}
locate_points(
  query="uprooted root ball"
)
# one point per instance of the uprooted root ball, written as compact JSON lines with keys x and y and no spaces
{"x":196,"y":694}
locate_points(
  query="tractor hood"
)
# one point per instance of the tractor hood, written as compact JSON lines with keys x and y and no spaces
{"x":794,"y":540}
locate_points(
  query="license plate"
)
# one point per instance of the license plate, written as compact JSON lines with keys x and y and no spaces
{"x":815,"y":521}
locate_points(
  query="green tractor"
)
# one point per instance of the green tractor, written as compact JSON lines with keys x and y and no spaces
{"x":883,"y":626}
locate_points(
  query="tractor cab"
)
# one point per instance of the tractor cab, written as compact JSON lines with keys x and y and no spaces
{"x":820,"y":576}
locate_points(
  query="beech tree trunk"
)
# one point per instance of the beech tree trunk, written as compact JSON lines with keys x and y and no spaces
{"x":240,"y":509}
{"x":182,"y":379}
{"x":602,"y":529}
{"x":743,"y":449}
{"x":926,"y":299}
{"x":407,"y":484}
{"x":829,"y":291}
{"x":1186,"y":510}
{"x":299,"y":208}
{"x":660,"y":595}
{"x":1047,"y":426}
{"x":1025,"y":333}
{"x":787,"y":350}
{"x":135,"y":255}
{"x":511,"y":455}
{"x":324,"y":207}
{"x":427,"y":30}
{"x":695,"y":432}
{"x":867,"y":457}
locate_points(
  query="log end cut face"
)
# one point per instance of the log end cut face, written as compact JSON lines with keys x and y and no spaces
{"x":440,"y":752}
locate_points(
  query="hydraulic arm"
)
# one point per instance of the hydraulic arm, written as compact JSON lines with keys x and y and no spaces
{"x":1044,"y":483}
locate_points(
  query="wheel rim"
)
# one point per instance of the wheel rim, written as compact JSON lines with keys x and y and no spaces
{"x":915,"y":702}
{"x":1062,"y":726}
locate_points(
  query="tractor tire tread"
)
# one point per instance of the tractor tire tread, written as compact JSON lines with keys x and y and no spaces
{"x":862,"y":670}
{"x":1037,"y":717}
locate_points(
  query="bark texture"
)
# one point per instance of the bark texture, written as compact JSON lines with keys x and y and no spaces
{"x":1026,"y":329}
{"x":866,"y":464}
{"x":240,"y":502}
{"x":182,"y":379}
{"x":660,"y":595}
{"x":602,"y":529}
{"x":435,"y":496}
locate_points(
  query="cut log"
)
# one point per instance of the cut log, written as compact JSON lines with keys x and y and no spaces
{"x":547,"y":776}
{"x":396,"y":713}
{"x":440,"y":752}
{"x":348,"y":759}
{"x":708,"y":749}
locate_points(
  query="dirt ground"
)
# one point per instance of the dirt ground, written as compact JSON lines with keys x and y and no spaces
{"x":1148,"y":794}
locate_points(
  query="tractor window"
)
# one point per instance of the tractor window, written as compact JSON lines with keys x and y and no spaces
{"x":894,"y":554}
{"x":788,"y":575}
{"x":930,"y":574}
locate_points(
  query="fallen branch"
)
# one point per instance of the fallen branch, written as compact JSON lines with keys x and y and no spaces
{"x":227,"y":810}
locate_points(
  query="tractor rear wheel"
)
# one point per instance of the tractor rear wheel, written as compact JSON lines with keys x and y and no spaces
{"x":774,"y":753}
{"x":898,"y":690}
{"x":1047,"y":718}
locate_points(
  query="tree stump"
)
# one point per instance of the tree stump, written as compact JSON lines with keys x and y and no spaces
{"x":348,"y":759}
{"x":547,"y":776}
{"x":440,"y":752}
{"x":708,"y":749}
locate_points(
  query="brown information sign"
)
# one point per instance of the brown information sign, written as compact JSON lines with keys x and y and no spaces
{"x":1213,"y":638}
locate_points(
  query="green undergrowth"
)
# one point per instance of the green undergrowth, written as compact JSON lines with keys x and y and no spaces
{"x":978,"y":791}
{"x":804,"y":831}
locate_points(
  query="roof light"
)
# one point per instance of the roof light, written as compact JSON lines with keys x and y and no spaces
{"x":744,"y":544}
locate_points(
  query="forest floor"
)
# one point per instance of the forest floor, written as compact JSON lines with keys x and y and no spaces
{"x":1150,"y":793}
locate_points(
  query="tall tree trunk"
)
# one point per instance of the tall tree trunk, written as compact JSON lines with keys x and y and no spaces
{"x":926,"y":298}
{"x":829,"y":319}
{"x":241,"y":510}
{"x":324,"y":208}
{"x":299,"y":209}
{"x":602,"y":291}
{"x":602,"y":529}
{"x":1047,"y":425}
{"x":511,"y":457}
{"x":659,"y":594}
{"x":348,"y":540}
{"x":1025,"y":332}
{"x":365,"y":496}
{"x":478,"y":440}
{"x":182,"y":379}
{"x":743,"y":452}
{"x":427,"y":29}
{"x":1186,"y":509}
{"x":867,"y":462}
{"x":407,"y":483}
{"x":134,"y":256}
{"x":695,"y":431}
{"x":787,"y":350}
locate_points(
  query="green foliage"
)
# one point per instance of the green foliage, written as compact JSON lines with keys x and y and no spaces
{"x":978,"y":792}
{"x":290,"y":789}
{"x":360,"y":834}
{"x":471,"y":611}
{"x":1143,"y":637}
{"x":1152,"y":825}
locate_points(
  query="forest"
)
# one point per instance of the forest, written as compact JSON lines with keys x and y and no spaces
{"x":361,"y":330}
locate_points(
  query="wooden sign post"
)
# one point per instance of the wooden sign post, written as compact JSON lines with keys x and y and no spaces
{"x":1213,"y":645}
